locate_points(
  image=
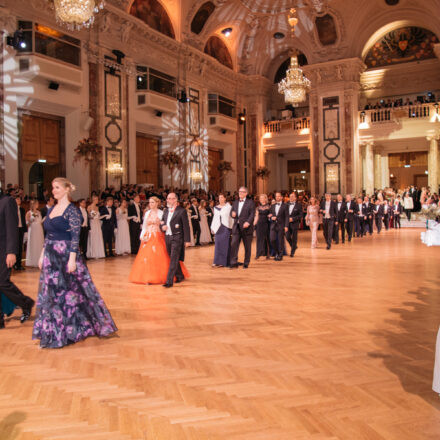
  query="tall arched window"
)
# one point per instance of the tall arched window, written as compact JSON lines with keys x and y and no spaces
{"x":218,"y":50}
{"x":201,"y":17}
{"x":154,"y":14}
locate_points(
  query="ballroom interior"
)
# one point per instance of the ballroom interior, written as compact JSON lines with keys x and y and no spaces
{"x":333,"y":344}
{"x":200,"y":79}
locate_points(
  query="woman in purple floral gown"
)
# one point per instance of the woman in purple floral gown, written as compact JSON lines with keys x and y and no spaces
{"x":69,"y":308}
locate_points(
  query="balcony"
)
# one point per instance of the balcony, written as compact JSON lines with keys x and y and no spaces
{"x":411,"y":121}
{"x":156,"y":102}
{"x":288,"y":133}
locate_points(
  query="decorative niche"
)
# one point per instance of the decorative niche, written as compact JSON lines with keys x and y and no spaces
{"x":326,"y":29}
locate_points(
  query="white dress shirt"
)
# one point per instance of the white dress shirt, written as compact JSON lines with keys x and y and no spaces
{"x":170,"y":216}
{"x":292,"y":205}
{"x":240,"y":206}
{"x":327,"y":209}
{"x":277,"y":208}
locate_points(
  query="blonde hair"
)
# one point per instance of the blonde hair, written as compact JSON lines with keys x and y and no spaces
{"x":156,"y":199}
{"x":66,"y":184}
{"x":265,"y":198}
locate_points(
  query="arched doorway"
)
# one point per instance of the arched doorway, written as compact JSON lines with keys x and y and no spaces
{"x":40,"y":178}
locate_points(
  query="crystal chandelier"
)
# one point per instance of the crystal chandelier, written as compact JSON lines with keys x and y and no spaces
{"x":295,"y":85}
{"x":76,"y":14}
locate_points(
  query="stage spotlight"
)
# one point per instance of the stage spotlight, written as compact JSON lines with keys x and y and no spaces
{"x":119,"y":55}
{"x":227,"y":31}
{"x":17,"y":41}
{"x":183,"y":98}
{"x":158,"y":113}
{"x":241,"y":118}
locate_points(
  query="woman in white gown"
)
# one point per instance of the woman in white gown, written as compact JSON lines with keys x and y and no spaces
{"x":122,"y":242}
{"x":95,"y":243}
{"x":35,"y":241}
{"x":205,"y":233}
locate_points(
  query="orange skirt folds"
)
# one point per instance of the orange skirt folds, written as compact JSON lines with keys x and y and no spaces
{"x":152,"y":262}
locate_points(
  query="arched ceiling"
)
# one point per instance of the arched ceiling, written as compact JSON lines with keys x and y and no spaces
{"x":346,"y":32}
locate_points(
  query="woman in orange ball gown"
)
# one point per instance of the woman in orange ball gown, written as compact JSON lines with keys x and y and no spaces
{"x":152,"y":261}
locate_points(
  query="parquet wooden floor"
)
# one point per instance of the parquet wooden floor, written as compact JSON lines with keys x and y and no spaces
{"x":330,"y":345}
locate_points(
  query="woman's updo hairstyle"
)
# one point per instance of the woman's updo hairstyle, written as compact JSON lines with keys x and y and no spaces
{"x":66,"y":184}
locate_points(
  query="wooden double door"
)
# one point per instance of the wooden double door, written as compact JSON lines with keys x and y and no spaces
{"x":41,"y":154}
{"x":215,"y":176}
{"x":147,"y":160}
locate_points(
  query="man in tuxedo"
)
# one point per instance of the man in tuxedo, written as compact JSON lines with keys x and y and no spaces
{"x":378,"y":215}
{"x":85,"y":228}
{"x":195,"y":220}
{"x":329,"y":215}
{"x":387,"y":212}
{"x":177,"y":236}
{"x":135,"y":220}
{"x":368,"y":224}
{"x":49,"y":203}
{"x":243,"y":213}
{"x":360,"y":217}
{"x":350,"y":207}
{"x":278,"y":226}
{"x":8,"y":255}
{"x":293,"y":220}
{"x":108,"y":218}
{"x":22,"y":229}
{"x":398,"y":209}
{"x":340,"y":219}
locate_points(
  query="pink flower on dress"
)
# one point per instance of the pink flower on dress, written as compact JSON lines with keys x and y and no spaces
{"x":60,"y":247}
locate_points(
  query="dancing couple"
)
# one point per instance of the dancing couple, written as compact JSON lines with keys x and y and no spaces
{"x":164,"y":236}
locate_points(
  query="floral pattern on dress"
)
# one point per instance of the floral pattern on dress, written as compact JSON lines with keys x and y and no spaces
{"x":69,"y":307}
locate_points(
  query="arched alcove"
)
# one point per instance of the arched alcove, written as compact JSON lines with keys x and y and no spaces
{"x":326,"y":29}
{"x":201,"y":17}
{"x":402,"y":45}
{"x":281,"y":72}
{"x":154,"y":14}
{"x":215,"y":48}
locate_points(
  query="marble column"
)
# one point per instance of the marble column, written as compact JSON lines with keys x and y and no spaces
{"x":385,"y":170}
{"x":433,"y":158}
{"x":369,"y":169}
{"x":377,"y":168}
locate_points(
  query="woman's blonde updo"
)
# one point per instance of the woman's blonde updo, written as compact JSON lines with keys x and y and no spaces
{"x":66,"y":184}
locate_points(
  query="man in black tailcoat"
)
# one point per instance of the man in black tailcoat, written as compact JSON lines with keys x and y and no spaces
{"x":293,"y":220}
{"x":329,"y":214}
{"x":340,"y":219}
{"x":108,"y":216}
{"x":85,"y":228}
{"x":278,"y":225}
{"x":195,"y":220}
{"x":135,"y":219}
{"x":378,"y":215}
{"x":243,"y":213}
{"x":22,"y":229}
{"x":175,"y":224}
{"x":8,"y":256}
{"x":350,"y":207}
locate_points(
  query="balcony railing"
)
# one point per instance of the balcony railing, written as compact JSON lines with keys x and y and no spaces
{"x":384,"y":115}
{"x":297,"y":126}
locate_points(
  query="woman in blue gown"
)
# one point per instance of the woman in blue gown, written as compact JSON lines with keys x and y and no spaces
{"x":69,"y":308}
{"x":8,"y":306}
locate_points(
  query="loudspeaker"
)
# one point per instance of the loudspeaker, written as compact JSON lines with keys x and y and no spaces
{"x":53,"y":85}
{"x":158,"y":113}
{"x":223,"y":130}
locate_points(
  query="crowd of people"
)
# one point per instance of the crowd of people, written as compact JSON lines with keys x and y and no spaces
{"x":157,"y":225}
{"x":111,"y":220}
{"x":400,"y":102}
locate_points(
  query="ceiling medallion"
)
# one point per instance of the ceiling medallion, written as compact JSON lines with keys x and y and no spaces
{"x":77,"y":14}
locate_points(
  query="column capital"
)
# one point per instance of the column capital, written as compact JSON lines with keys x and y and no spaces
{"x":348,"y":69}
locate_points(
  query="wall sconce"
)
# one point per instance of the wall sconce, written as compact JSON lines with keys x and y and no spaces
{"x":241,"y":118}
{"x":196,"y":177}
{"x":116,"y":169}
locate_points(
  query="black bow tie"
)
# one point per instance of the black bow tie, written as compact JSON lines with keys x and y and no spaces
{"x":241,"y":201}
{"x":278,"y":204}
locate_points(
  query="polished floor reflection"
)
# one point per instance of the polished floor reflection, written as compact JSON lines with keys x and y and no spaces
{"x":329,"y":345}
